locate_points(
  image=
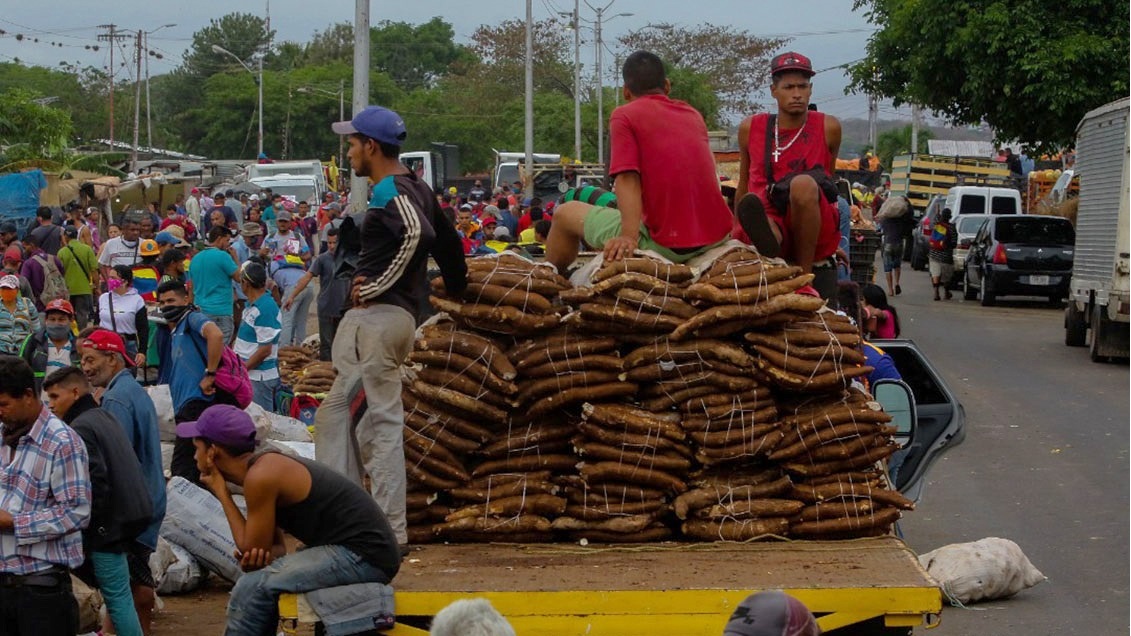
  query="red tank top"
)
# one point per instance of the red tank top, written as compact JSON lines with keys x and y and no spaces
{"x":807,"y":149}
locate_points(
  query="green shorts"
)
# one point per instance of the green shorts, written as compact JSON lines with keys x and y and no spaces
{"x":603,"y":224}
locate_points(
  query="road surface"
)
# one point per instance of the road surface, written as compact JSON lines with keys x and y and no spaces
{"x":1044,"y":463}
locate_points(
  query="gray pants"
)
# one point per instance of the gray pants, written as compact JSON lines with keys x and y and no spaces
{"x":371,"y":345}
{"x":293,"y":321}
{"x":226,"y":324}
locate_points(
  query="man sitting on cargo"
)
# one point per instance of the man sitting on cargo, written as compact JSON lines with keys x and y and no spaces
{"x":786,"y":195}
{"x":347,"y":537}
{"x":667,"y":190}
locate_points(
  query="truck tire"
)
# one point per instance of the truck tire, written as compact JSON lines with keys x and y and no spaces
{"x":1098,"y":320}
{"x":1075,"y":327}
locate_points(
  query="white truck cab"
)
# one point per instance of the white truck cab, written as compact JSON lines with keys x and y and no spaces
{"x":983,"y":200}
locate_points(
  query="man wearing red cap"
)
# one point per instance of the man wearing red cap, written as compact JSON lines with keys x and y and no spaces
{"x":347,"y":537}
{"x":53,"y":346}
{"x":786,"y":195}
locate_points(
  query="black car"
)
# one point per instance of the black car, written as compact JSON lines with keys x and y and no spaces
{"x":1020,"y":255}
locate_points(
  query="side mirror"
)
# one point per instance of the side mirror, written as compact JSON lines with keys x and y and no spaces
{"x":898,"y":402}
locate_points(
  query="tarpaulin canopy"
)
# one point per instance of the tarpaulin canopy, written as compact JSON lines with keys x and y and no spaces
{"x":19,"y":196}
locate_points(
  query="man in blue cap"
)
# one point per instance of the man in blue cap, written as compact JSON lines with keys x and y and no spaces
{"x":347,"y":538}
{"x":396,"y":235}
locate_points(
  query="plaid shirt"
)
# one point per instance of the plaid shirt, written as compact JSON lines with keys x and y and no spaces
{"x":45,"y":485}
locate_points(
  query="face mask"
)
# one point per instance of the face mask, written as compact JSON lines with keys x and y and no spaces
{"x":174,"y":313}
{"x":8,"y":295}
{"x":58,"y":332}
{"x":114,"y":283}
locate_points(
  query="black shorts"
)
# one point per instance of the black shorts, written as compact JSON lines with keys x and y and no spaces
{"x":138,"y":561}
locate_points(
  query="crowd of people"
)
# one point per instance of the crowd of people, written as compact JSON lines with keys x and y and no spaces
{"x":199,"y":296}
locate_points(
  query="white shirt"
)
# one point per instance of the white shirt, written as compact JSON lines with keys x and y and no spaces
{"x":192,"y":210}
{"x":126,"y":307}
{"x":117,"y":251}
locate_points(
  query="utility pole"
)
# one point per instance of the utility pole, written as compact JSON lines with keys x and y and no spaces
{"x":341,"y":117}
{"x":359,"y":186}
{"x":577,"y":79}
{"x":148,"y":115}
{"x":137,"y":102}
{"x":873,"y":111}
{"x":112,"y":37}
{"x":600,"y":93}
{"x":528,"y":178}
{"x":914,"y":129}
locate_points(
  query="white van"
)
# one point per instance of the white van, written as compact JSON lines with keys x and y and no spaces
{"x":982,"y":200}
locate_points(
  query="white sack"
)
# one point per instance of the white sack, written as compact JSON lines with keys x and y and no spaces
{"x":983,"y":570}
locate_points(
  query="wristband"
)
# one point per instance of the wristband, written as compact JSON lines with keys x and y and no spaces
{"x":209,"y":374}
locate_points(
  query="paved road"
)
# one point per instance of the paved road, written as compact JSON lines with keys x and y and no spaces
{"x":1045,"y":462}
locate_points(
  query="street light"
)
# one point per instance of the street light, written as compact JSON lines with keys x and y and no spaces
{"x":259,"y":80}
{"x":341,"y":95}
{"x":600,"y":76}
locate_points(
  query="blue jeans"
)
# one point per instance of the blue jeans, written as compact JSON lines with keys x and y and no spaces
{"x":253,"y":609}
{"x":113,"y":576}
{"x":263,"y":393}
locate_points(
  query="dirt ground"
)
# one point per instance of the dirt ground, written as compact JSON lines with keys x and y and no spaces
{"x":201,"y":612}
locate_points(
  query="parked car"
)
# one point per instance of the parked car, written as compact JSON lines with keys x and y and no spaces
{"x":1020,"y":255}
{"x":967,"y":226}
{"x":983,"y":200}
{"x":922,"y":234}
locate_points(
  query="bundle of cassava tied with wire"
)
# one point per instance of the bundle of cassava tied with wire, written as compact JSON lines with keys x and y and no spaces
{"x":742,"y":291}
{"x":633,"y":462}
{"x":564,"y":368}
{"x":634,"y":298}
{"x":316,"y":378}
{"x":292,"y":360}
{"x":737,"y":504}
{"x":831,"y":448}
{"x":423,"y":510}
{"x":820,"y":354}
{"x":506,"y":294}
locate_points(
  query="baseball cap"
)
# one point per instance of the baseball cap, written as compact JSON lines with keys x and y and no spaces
{"x":465,"y":206}
{"x":770,"y":613}
{"x":491,"y":210}
{"x":377,"y":122}
{"x":284,"y":215}
{"x":790,"y":61}
{"x":222,"y":424}
{"x":9,"y":281}
{"x":502,"y":231}
{"x":105,"y":340}
{"x":70,"y":231}
{"x":196,"y":191}
{"x":177,"y":231}
{"x":251,"y":228}
{"x":165,"y":237}
{"x":488,"y":219}
{"x":148,"y":247}
{"x":60,"y":305}
{"x":13,"y":253}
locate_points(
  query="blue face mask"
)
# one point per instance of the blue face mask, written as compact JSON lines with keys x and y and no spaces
{"x":58,"y":332}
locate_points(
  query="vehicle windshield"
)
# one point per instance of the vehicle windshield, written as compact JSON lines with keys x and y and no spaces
{"x":300,"y":192}
{"x":970,"y":224}
{"x":508,"y":173}
{"x":1035,"y":231}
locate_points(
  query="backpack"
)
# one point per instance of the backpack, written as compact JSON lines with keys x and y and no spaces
{"x":231,"y":375}
{"x":54,"y":285}
{"x":938,"y":237}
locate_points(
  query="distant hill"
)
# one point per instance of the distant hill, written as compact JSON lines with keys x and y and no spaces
{"x":854,"y":133}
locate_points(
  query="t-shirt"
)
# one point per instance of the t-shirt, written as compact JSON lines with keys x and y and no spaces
{"x":277,"y":243}
{"x":79,"y":262}
{"x":123,"y":318}
{"x":117,"y":251}
{"x":211,"y":277}
{"x":49,"y":237}
{"x":187,"y":354}
{"x":665,"y":140}
{"x":332,"y":292}
{"x":58,"y":357}
{"x":260,"y":326}
{"x":286,"y":277}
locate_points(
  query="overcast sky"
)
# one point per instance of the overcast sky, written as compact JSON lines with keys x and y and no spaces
{"x":828,"y":31}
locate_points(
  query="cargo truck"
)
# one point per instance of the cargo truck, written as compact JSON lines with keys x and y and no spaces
{"x":1099,"y":301}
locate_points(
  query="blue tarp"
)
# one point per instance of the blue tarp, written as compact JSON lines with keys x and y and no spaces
{"x":19,"y":197}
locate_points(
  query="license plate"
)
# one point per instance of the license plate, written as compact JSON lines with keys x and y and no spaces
{"x":1038,"y":280}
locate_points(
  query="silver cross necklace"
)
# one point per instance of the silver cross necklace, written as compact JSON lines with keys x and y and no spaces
{"x":778,"y":148}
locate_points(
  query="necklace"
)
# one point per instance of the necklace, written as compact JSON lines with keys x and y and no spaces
{"x":778,"y":148}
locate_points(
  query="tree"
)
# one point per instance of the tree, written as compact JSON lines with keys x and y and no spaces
{"x":1029,"y":69}
{"x":897,"y":141}
{"x":501,"y":51}
{"x":733,"y":61}
{"x":243,"y":34}
{"x":414,"y":55}
{"x":37,"y":128}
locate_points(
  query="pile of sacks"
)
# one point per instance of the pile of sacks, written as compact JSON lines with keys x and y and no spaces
{"x":650,"y":400}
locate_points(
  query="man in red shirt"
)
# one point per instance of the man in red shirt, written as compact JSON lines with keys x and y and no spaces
{"x":786,"y":195}
{"x":668,"y":197}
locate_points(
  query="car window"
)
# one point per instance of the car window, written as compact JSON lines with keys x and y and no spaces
{"x":1031,"y":230}
{"x":971,"y":204}
{"x":918,"y":377}
{"x":1003,"y":205}
{"x":970,"y":224}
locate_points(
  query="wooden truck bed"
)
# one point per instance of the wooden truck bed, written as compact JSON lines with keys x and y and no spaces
{"x":657,"y":589}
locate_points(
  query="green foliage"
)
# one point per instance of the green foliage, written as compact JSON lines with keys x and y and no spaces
{"x":1029,"y":69}
{"x":695,"y":89}
{"x":242,"y":34}
{"x":414,"y":55}
{"x":898,"y":142}
{"x":37,"y":128}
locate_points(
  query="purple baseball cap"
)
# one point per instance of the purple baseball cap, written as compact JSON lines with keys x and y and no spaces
{"x":222,"y":424}
{"x":771,"y":613}
{"x":376,"y":122}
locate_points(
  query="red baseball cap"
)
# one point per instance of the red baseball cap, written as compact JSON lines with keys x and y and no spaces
{"x":106,"y":340}
{"x":60,"y":305}
{"x":790,"y":61}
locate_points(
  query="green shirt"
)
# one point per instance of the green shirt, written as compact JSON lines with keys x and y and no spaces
{"x":79,"y":262}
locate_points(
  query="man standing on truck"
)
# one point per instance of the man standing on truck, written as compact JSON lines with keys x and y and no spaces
{"x":402,"y":227}
{"x":667,"y":190}
{"x":786,"y":195}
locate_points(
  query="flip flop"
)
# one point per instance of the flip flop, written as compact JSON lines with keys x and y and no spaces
{"x":898,"y":290}
{"x":752,"y":217}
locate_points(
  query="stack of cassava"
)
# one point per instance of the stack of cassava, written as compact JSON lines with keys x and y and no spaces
{"x":292,"y":360}
{"x":706,"y":402}
{"x":316,"y":378}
